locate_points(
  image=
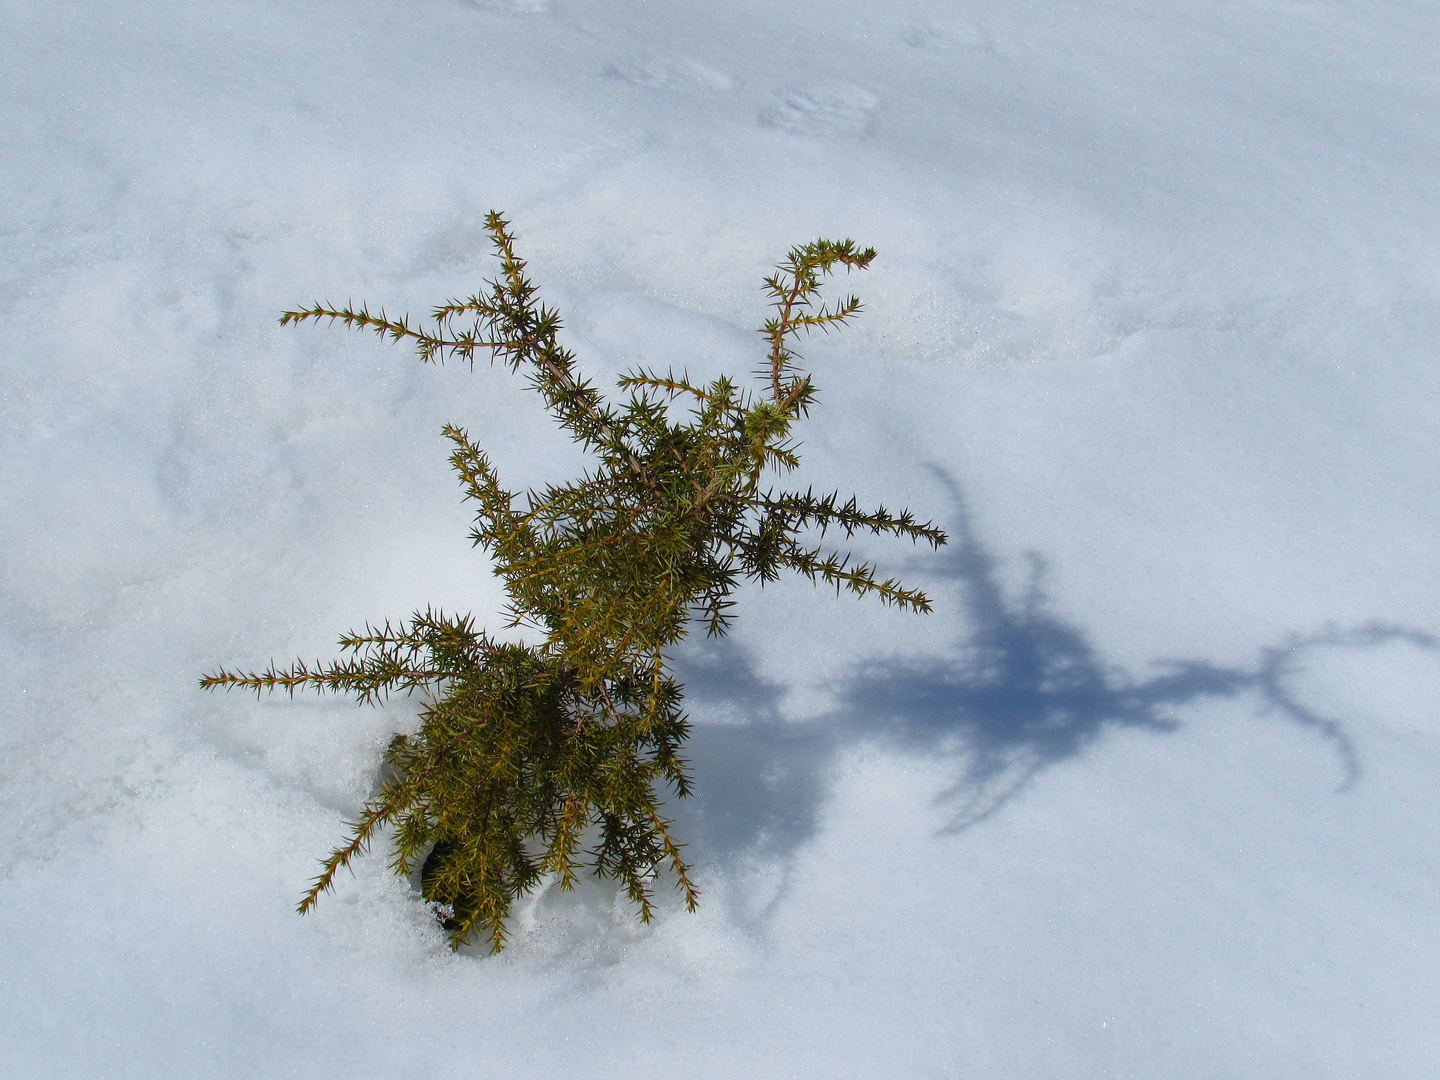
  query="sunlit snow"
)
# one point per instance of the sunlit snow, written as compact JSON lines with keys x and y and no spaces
{"x":1154,"y":332}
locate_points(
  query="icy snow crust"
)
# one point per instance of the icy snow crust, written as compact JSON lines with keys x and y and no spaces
{"x":1153,"y":332}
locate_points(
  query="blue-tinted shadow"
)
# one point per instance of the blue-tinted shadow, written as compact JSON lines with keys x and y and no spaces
{"x":1022,"y":691}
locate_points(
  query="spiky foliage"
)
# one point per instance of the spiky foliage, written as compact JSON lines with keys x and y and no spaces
{"x":546,"y":758}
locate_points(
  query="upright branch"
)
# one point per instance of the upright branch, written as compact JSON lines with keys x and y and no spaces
{"x":793,"y":290}
{"x":542,"y":759}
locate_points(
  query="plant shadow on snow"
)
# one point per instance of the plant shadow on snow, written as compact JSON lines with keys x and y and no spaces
{"x":1024,"y":691}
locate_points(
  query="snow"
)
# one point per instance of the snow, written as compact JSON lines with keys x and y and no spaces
{"x":1152,"y":332}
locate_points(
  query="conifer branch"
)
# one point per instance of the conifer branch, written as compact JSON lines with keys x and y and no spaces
{"x":527,"y":753}
{"x":361,"y":831}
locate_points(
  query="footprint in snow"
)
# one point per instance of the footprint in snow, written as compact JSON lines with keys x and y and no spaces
{"x":671,"y":73}
{"x":824,"y":109}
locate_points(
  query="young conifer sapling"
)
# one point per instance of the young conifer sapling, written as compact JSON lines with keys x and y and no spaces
{"x":550,"y":758}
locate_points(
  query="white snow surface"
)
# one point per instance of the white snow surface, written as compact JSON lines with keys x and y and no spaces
{"x":1153,"y":332}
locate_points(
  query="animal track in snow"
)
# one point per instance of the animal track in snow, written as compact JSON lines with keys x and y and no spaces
{"x":671,"y":73}
{"x":824,"y":109}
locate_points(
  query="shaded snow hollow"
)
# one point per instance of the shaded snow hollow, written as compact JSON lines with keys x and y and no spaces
{"x":1153,"y":332}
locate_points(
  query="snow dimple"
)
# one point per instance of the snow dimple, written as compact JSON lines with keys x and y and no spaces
{"x":1304,"y":9}
{"x":822,"y":109}
{"x":944,"y":36}
{"x":1155,"y":293}
{"x":518,"y":7}
{"x":670,"y":73}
